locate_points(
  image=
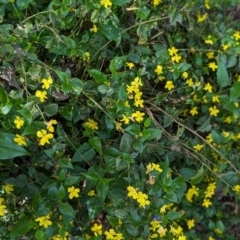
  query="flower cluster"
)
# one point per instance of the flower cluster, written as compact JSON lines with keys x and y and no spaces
{"x":111,"y":234}
{"x":209,"y":192}
{"x":153,"y":166}
{"x":193,"y":191}
{"x":90,"y":123}
{"x":42,"y":95}
{"x":44,"y":221}
{"x":157,"y":230}
{"x":139,"y":196}
{"x":173,"y":52}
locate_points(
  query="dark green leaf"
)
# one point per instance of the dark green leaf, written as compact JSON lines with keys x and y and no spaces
{"x":172,"y":215}
{"x":133,"y":129}
{"x":22,"y":227}
{"x":126,"y":143}
{"x":235,"y":91}
{"x":102,"y":190}
{"x":51,"y":109}
{"x":222,"y":74}
{"x":84,"y":153}
{"x":94,"y":207}
{"x":66,"y":210}
{"x":96,"y":144}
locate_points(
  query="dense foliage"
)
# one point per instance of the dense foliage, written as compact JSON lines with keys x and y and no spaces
{"x":120,"y":119}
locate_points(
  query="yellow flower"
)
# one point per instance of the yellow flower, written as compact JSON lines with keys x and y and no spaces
{"x":87,"y":57}
{"x":8,"y":188}
{"x":2,"y":209}
{"x":130,"y":65}
{"x":215,"y":98}
{"x":18,"y":122}
{"x":213,"y":66}
{"x":138,"y":116}
{"x":50,"y":125}
{"x":142,"y":199}
{"x":208,"y":87}
{"x":42,"y":95}
{"x":106,"y":3}
{"x":139,"y":103}
{"x":198,"y":147}
{"x":206,"y":203}
{"x":201,"y":18}
{"x":47,"y":82}
{"x":156,"y":2}
{"x":20,"y":140}
{"x":58,"y":237}
{"x":137,"y":82}
{"x":236,"y":35}
{"x":153,"y":166}
{"x":207,"y":6}
{"x":91,"y":193}
{"x":226,"y":46}
{"x":228,"y":120}
{"x":97,"y":229}
{"x":44,"y":221}
{"x":169,"y":85}
{"x":94,"y":28}
{"x":118,"y":125}
{"x":236,"y":188}
{"x":213,"y":111}
{"x":125,"y":119}
{"x":158,"y":69}
{"x":90,"y":123}
{"x":194,"y":111}
{"x":44,"y":137}
{"x":209,"y":40}
{"x":132,"y":192}
{"x":73,"y":192}
{"x":209,"y":192}
{"x":185,"y":75}
{"x":189,"y":82}
{"x":209,"y":138}
{"x":176,"y":58}
{"x":211,"y":238}
{"x":190,"y":223}
{"x":126,"y":104}
{"x":172,"y":51}
{"x":210,"y":55}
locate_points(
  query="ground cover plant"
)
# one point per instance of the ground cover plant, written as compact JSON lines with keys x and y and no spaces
{"x":119,"y":119}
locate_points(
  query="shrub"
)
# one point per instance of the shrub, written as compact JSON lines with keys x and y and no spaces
{"x":119,"y":119}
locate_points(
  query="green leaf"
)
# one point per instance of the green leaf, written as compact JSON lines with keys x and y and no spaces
{"x":66,"y":209}
{"x":36,"y":201}
{"x":96,"y":144}
{"x":84,"y":153}
{"x":62,"y":75}
{"x":126,"y":143}
{"x":235,"y":91}
{"x":94,"y":207}
{"x":51,"y":109}
{"x":117,"y":63}
{"x":222,"y":74}
{"x":61,"y":192}
{"x":9,"y":149}
{"x":3,"y":95}
{"x":40,"y":234}
{"x":71,"y":180}
{"x":133,"y":129}
{"x":92,"y":176}
{"x":120,"y":2}
{"x":102,"y":190}
{"x":225,"y":100}
{"x":103,"y":88}
{"x":172,"y":215}
{"x":22,"y":227}
{"x":184,"y":67}
{"x":151,"y":133}
{"x":65,"y":163}
{"x":98,"y":76}
{"x":111,"y":31}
